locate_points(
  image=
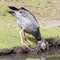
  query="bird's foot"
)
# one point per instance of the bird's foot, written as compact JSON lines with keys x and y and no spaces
{"x":23,"y":44}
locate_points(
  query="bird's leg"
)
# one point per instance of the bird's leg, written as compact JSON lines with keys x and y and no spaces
{"x":21,"y":36}
{"x":28,"y":40}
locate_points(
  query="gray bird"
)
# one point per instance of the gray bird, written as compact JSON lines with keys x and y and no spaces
{"x":27,"y":22}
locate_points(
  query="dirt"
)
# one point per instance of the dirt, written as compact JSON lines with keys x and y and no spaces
{"x":54,"y":47}
{"x":49,"y":23}
{"x":19,"y":50}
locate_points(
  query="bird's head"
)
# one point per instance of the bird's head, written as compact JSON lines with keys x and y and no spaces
{"x":17,"y":12}
{"x":43,"y":44}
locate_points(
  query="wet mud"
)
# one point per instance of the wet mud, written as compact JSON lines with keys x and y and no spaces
{"x":54,"y":48}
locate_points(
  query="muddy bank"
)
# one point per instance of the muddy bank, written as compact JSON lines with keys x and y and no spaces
{"x":18,"y":50}
{"x":54,"y":47}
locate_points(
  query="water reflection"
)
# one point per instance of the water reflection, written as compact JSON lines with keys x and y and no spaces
{"x":28,"y":57}
{"x":24,"y":57}
{"x":53,"y":58}
{"x":43,"y":57}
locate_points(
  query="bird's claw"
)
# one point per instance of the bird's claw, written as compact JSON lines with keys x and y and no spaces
{"x":23,"y":44}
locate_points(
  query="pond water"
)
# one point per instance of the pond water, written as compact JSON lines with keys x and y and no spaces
{"x":52,"y":54}
{"x":29,"y":57}
{"x":53,"y":58}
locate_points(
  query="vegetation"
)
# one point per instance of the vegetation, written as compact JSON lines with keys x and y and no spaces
{"x":42,"y":9}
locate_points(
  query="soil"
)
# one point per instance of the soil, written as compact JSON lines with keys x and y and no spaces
{"x":19,"y":50}
{"x":49,"y":23}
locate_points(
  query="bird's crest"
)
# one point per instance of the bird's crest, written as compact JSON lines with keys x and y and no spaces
{"x":23,"y":8}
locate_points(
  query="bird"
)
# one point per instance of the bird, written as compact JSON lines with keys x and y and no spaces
{"x":27,"y":22}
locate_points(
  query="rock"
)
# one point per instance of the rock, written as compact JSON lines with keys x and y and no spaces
{"x":19,"y":50}
{"x":53,"y":42}
{"x":15,"y":50}
{"x":58,"y":42}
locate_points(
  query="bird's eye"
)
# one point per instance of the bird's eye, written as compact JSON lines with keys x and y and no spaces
{"x":20,"y":11}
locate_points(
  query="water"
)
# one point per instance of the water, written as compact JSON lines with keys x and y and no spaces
{"x":53,"y":58}
{"x":28,"y":57}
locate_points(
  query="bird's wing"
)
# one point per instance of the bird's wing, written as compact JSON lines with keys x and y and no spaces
{"x":28,"y":15}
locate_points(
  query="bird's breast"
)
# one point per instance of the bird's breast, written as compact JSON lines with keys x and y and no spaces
{"x":27,"y":24}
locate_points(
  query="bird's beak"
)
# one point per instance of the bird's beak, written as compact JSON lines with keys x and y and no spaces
{"x":11,"y":12}
{"x":13,"y":8}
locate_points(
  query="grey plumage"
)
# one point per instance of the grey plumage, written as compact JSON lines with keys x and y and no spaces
{"x":26,"y":21}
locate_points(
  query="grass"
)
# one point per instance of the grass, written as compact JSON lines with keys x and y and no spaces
{"x":51,"y":32}
{"x":9,"y":35}
{"x":9,"y":30}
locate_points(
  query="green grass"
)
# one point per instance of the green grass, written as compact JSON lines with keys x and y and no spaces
{"x":9,"y":30}
{"x":51,"y":32}
{"x":9,"y":36}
